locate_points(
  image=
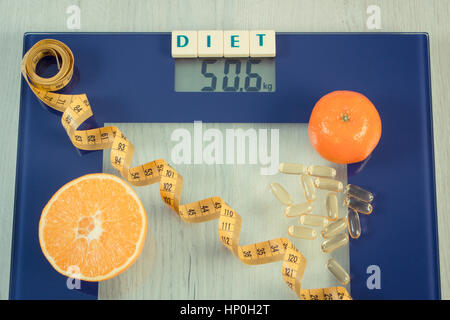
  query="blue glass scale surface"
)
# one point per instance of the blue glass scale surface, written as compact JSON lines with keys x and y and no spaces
{"x":391,"y":69}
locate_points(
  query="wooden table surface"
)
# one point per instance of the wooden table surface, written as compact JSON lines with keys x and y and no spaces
{"x":17,"y":17}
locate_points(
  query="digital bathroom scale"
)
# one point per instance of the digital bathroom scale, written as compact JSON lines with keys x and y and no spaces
{"x":399,"y":239}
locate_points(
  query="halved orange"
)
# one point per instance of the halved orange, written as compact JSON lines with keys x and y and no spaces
{"x":93,"y":228}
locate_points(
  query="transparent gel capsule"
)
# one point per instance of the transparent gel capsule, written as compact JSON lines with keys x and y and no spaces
{"x":334,"y":243}
{"x":328,"y":184}
{"x":297,"y":209}
{"x":302,"y":232}
{"x":334,"y":228}
{"x":358,"y":205}
{"x":354,"y":226}
{"x":339,"y":273}
{"x":358,"y":192}
{"x":313,"y":220}
{"x":292,"y":168}
{"x":322,"y":171}
{"x":281,"y":194}
{"x":308,"y":187}
{"x":332,"y":206}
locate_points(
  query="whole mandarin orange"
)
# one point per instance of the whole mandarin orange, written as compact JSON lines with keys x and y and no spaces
{"x":344,"y":127}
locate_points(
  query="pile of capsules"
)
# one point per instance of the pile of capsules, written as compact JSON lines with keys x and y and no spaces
{"x":333,"y":229}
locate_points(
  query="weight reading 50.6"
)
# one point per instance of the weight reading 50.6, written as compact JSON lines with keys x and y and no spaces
{"x":231,"y":80}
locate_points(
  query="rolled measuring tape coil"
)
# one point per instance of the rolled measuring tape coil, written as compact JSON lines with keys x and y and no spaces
{"x":76,"y":109}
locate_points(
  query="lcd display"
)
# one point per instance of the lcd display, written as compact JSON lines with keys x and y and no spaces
{"x":225,"y":75}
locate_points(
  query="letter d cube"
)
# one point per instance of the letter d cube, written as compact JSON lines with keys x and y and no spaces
{"x":184,"y":44}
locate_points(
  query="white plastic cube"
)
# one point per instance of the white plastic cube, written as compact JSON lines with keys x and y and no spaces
{"x":236,"y":44}
{"x":210,"y":43}
{"x":262,"y":43}
{"x":184,"y":44}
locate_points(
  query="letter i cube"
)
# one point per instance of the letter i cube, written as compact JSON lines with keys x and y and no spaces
{"x":210,"y":43}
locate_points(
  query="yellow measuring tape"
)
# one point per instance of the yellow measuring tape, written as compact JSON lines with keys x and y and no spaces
{"x":76,"y":110}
